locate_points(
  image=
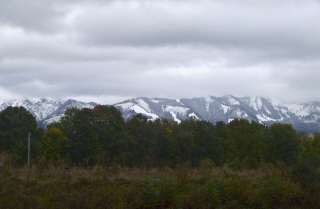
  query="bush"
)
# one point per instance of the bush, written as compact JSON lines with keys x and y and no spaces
{"x":307,"y":173}
{"x":276,"y":192}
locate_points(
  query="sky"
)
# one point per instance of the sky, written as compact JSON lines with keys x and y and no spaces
{"x":108,"y":51}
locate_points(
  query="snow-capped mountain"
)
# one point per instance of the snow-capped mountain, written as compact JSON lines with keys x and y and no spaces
{"x":303,"y":117}
{"x":40,"y":108}
{"x":46,"y":110}
{"x":59,"y":112}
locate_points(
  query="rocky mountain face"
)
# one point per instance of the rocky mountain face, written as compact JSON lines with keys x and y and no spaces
{"x":303,"y":117}
{"x":46,"y":110}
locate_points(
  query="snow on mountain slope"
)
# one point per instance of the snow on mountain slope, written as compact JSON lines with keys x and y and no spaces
{"x":176,"y":110}
{"x":137,"y":106}
{"x":227,"y":108}
{"x":304,"y":117}
{"x":45,"y":110}
{"x":154,"y":108}
{"x":58,"y":113}
{"x":40,"y":108}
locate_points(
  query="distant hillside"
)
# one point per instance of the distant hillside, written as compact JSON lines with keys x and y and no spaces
{"x":303,"y":117}
{"x":46,"y":110}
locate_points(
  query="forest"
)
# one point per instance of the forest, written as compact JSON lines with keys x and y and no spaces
{"x":87,"y":137}
{"x":99,"y":138}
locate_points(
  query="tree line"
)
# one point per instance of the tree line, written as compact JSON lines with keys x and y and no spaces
{"x":100,"y":136}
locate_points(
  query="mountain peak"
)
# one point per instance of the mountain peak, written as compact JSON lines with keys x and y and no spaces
{"x":44,"y":109}
{"x":303,"y":117}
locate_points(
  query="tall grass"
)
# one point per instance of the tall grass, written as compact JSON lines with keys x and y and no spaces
{"x":122,"y":187}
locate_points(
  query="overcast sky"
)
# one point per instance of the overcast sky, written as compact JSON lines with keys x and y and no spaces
{"x":109,"y":51}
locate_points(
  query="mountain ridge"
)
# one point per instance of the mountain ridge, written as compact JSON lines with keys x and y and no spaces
{"x":303,"y":116}
{"x":46,"y":110}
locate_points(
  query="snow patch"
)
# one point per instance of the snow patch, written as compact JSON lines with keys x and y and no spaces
{"x":155,"y":101}
{"x":125,"y":106}
{"x":208,"y":99}
{"x":180,"y":110}
{"x":139,"y":109}
{"x":175,"y":117}
{"x":264,"y":118}
{"x":53,"y":119}
{"x":255,"y":103}
{"x":225,"y":108}
{"x":233,"y":101}
{"x":143,"y":105}
{"x":131,"y":106}
{"x":268,"y":112}
{"x":193,"y":115}
{"x":207,"y":106}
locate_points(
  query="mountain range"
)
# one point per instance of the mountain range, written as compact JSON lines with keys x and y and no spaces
{"x":303,"y":117}
{"x":46,"y":110}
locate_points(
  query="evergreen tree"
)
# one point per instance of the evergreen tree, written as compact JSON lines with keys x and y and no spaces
{"x":284,"y":145}
{"x":245,"y":144}
{"x":140,"y":139}
{"x":78,"y":127}
{"x":16,"y":123}
{"x":198,"y":140}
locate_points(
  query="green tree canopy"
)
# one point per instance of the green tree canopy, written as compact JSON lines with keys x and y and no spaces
{"x":15,"y":125}
{"x":284,"y":144}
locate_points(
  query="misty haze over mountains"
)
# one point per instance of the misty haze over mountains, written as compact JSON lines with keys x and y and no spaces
{"x":303,"y":117}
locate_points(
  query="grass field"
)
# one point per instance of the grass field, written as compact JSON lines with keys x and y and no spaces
{"x":182,"y":187}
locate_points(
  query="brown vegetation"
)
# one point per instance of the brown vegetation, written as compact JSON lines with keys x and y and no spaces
{"x":182,"y":187}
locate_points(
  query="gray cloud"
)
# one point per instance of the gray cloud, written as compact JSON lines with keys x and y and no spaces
{"x":32,"y":15}
{"x":114,"y":50}
{"x":218,"y":23}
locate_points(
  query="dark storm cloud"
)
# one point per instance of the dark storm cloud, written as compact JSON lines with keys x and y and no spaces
{"x":116,"y":49}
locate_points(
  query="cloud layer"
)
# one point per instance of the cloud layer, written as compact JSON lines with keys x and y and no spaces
{"x":114,"y":50}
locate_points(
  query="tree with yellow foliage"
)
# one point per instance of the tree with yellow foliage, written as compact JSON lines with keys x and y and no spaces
{"x":54,"y":144}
